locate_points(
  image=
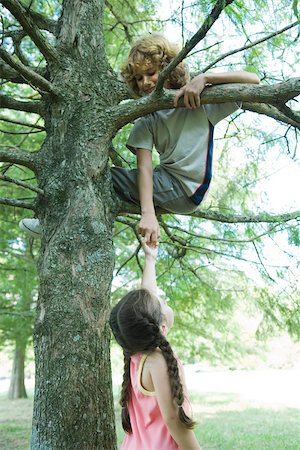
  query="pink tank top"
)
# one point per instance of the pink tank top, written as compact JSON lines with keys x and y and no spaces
{"x":149,"y":431}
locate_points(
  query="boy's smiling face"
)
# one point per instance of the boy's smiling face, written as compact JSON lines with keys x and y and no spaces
{"x":146,"y":76}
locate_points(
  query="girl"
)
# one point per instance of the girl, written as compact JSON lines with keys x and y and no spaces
{"x":153,"y":398}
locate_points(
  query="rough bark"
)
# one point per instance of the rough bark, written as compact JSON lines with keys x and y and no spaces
{"x":73,"y":405}
{"x":17,"y":384}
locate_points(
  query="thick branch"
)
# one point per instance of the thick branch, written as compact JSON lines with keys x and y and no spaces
{"x":10,"y":103}
{"x":23,"y":158}
{"x":273,"y":94}
{"x":43,"y":22}
{"x":253,"y":44}
{"x":201,"y":33}
{"x":17,"y":203}
{"x":32,"y":77}
{"x":271,"y":111}
{"x":128,"y":208}
{"x":27,"y":22}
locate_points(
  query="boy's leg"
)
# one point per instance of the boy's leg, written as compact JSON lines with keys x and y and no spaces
{"x":167,"y":191}
{"x":125,"y":184}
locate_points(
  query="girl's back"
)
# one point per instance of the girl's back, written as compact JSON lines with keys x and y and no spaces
{"x":148,"y":428}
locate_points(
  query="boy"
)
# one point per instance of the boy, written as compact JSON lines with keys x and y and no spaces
{"x":183,"y":137}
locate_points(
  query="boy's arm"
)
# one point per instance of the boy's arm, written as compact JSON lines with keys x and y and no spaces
{"x":149,"y":274}
{"x":148,"y":226}
{"x":192,"y":90}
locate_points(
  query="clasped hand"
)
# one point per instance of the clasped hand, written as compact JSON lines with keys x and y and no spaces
{"x":191,"y":92}
{"x":149,"y":229}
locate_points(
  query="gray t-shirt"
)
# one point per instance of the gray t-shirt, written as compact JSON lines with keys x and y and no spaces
{"x":184,"y":140}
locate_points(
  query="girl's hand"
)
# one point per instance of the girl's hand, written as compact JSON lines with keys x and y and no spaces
{"x":191,"y":92}
{"x":149,"y":229}
{"x":149,"y":251}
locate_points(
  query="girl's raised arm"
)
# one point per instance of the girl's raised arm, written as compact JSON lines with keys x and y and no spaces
{"x":149,"y":274}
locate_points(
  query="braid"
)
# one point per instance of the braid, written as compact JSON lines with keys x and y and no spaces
{"x":175,"y":383}
{"x":125,"y":394}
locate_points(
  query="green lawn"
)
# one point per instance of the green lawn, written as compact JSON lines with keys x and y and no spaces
{"x":225,"y":422}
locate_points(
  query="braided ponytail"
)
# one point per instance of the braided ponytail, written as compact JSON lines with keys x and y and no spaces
{"x":125,"y":394}
{"x":175,"y":383}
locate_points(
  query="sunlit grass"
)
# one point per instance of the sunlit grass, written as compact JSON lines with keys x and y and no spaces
{"x":225,"y":422}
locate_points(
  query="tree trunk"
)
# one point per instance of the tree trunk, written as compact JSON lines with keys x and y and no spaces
{"x":17,"y":386}
{"x":73,"y":405}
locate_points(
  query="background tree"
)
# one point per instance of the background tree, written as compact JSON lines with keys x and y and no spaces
{"x":59,"y":51}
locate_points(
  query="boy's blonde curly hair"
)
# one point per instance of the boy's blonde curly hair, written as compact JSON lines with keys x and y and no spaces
{"x":154,"y":49}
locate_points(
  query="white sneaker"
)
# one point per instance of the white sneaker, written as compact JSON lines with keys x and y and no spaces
{"x":31,"y":227}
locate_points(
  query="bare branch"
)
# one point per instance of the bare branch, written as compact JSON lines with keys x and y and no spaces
{"x":270,"y":230}
{"x":43,"y":22}
{"x":120,"y":20}
{"x":24,"y":124}
{"x":253,"y":44}
{"x":10,"y":103}
{"x":32,"y":77}
{"x":201,"y":33}
{"x":23,"y":158}
{"x":272,"y":111}
{"x":22,"y":184}
{"x":10,"y":74}
{"x":17,"y":203}
{"x":128,"y":208}
{"x":27,"y":21}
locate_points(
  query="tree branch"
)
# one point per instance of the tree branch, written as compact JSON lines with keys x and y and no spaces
{"x":201,"y":33}
{"x":246,"y":47}
{"x":11,"y":103}
{"x":17,"y":203}
{"x":10,"y":74}
{"x":27,"y":22}
{"x":22,"y":184}
{"x":276,"y":94}
{"x":271,"y":111}
{"x":24,"y":124}
{"x":32,"y":77}
{"x":119,"y":20}
{"x":128,"y":208}
{"x":43,"y":22}
{"x":23,"y":158}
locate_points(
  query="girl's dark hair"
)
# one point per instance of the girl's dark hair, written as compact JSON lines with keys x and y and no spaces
{"x":135,"y":322}
{"x":154,"y":49}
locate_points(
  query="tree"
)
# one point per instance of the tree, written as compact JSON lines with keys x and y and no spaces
{"x":81,"y":100}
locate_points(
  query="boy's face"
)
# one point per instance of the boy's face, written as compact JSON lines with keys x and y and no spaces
{"x":146,"y":77}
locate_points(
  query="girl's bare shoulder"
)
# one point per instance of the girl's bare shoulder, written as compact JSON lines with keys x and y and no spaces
{"x":156,"y":360}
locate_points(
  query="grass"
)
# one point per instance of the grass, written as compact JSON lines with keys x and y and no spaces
{"x":225,"y":422}
{"x":15,"y":423}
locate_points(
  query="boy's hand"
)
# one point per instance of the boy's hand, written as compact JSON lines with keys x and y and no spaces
{"x":191,"y":92}
{"x":149,"y":251}
{"x":149,"y":228}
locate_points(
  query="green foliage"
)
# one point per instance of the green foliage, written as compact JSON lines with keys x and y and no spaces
{"x":209,"y":270}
